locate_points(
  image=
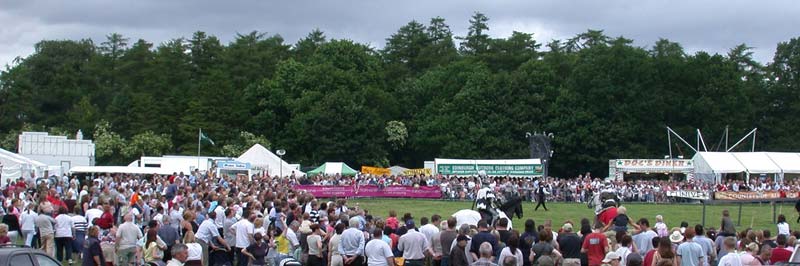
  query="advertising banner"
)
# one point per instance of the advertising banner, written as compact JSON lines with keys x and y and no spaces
{"x":491,"y":169}
{"x":418,"y":171}
{"x":689,"y":194}
{"x":747,"y":195}
{"x":655,"y":165}
{"x":372,"y":191}
{"x":375,"y":170}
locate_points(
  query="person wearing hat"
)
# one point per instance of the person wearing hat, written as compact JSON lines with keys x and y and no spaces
{"x":458,"y":253}
{"x":633,"y":259}
{"x":676,"y":237}
{"x":612,"y":258}
{"x":569,"y":244}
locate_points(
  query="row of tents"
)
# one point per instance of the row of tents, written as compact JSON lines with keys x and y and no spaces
{"x":713,"y":166}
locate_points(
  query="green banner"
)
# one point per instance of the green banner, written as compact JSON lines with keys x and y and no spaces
{"x":491,"y":169}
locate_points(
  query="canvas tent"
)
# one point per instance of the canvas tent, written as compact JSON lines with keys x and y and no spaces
{"x":397,"y":170}
{"x":332,"y":169}
{"x":757,"y":162}
{"x":120,"y":170}
{"x":15,"y":166}
{"x":789,"y":163}
{"x":710,"y":166}
{"x":260,"y":158}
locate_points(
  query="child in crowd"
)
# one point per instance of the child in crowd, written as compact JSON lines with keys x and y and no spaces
{"x":661,"y":227}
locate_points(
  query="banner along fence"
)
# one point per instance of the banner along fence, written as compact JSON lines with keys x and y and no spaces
{"x":372,"y":191}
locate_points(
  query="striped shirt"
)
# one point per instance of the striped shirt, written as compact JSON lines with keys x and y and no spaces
{"x":79,"y":223}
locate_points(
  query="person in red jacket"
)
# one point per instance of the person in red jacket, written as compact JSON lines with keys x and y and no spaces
{"x":106,"y":220}
{"x":780,"y":254}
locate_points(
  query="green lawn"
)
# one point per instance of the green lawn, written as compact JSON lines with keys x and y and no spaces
{"x":753,"y":214}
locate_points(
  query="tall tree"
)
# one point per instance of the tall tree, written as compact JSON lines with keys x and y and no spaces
{"x":477,"y":40}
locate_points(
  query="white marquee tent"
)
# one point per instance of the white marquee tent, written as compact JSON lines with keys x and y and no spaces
{"x":15,"y":166}
{"x":712,"y":165}
{"x":757,"y":162}
{"x":262,"y":159}
{"x":788,"y":162}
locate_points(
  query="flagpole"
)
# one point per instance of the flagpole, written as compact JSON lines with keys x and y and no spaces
{"x":199,"y":136}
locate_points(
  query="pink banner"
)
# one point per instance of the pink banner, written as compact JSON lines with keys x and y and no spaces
{"x":371,"y":191}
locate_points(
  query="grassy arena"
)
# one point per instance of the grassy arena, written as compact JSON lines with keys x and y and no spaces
{"x":753,"y":214}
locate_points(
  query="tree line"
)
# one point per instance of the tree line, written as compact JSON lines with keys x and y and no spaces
{"x":425,"y":94}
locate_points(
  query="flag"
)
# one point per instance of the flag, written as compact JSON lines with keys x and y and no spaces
{"x":206,"y":138}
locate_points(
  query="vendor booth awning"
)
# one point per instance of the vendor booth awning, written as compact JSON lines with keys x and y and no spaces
{"x":332,"y":169}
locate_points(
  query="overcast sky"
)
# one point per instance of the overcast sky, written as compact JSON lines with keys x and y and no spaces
{"x":713,"y":26}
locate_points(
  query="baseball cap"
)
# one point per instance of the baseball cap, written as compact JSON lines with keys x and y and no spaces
{"x":567,"y":227}
{"x":634,"y":259}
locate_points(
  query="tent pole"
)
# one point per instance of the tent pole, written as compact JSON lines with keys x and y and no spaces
{"x":681,"y":139}
{"x":726,"y":138}
{"x":740,"y":141}
{"x":669,"y":142}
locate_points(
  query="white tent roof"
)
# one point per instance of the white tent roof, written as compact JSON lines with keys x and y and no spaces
{"x":120,"y":169}
{"x":757,"y":162}
{"x":397,"y":170}
{"x":261,"y":158}
{"x":16,"y":166}
{"x":717,"y":162}
{"x":788,"y":162}
{"x":24,"y":159}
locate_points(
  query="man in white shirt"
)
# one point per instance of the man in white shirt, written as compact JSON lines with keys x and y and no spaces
{"x":180,"y":253}
{"x":220,"y":212}
{"x":431,"y":228}
{"x":378,"y":252}
{"x":128,"y":234}
{"x":95,"y":212}
{"x":64,"y":233}
{"x":244,"y":230}
{"x":732,"y":258}
{"x":207,"y":234}
{"x":414,"y":246}
{"x":291,"y":235}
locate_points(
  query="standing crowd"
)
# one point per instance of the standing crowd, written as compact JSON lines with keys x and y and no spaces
{"x":200,"y":219}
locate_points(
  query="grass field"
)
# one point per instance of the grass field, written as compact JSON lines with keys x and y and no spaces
{"x":753,"y":214}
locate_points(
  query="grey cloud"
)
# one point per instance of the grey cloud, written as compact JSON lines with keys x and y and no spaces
{"x":714,"y":26}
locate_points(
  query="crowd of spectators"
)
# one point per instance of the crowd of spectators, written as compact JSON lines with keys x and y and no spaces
{"x":200,"y":219}
{"x":577,"y":189}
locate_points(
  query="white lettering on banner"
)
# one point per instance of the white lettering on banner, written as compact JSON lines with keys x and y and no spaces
{"x":678,"y":164}
{"x":689,"y":194}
